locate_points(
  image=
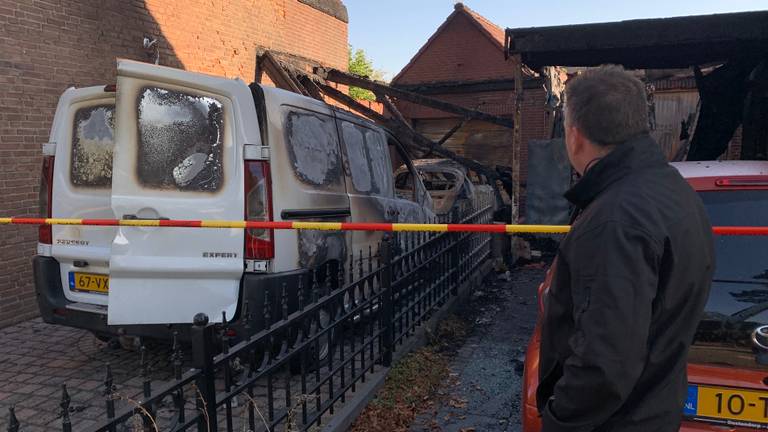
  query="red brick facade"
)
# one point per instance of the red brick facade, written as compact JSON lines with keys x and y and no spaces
{"x":49,"y":45}
{"x":469,"y":48}
{"x":460,"y":50}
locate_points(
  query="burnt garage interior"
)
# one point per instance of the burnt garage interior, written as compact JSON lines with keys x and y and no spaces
{"x":725,"y":54}
{"x":706,"y":76}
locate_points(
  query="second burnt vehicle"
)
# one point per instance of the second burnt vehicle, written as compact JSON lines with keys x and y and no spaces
{"x":728,"y":361}
{"x":449,"y":184}
{"x":170,"y":144}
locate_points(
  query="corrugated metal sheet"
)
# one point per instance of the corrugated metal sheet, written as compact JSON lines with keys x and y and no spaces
{"x":686,"y":83}
{"x":671,"y":109}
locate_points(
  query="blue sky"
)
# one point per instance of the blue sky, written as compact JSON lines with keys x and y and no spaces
{"x":392,"y":31}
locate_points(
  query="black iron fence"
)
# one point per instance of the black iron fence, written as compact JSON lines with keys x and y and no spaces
{"x":311,"y":348}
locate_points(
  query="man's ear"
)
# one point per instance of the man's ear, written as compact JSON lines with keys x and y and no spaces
{"x":578,"y":141}
{"x":576,"y":144}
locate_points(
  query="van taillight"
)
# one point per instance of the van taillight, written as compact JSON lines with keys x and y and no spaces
{"x":259,"y":243}
{"x":46,"y":188}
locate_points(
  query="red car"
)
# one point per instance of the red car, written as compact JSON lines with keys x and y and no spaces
{"x":728,"y":361}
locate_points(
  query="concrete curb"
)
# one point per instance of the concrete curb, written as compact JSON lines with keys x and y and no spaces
{"x":357,"y":401}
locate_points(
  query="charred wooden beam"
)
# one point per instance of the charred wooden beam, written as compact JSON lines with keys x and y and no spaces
{"x":297,"y":82}
{"x":677,"y":42}
{"x":425,"y":144}
{"x":458,"y":87}
{"x":448,"y":135}
{"x":277,"y":73}
{"x":409,"y":136}
{"x":295,"y":77}
{"x":517,"y":136}
{"x":452,"y":131}
{"x":311,"y":87}
{"x":393,"y":110}
{"x":258,"y":73}
{"x":352,"y":103}
{"x":340,"y":77}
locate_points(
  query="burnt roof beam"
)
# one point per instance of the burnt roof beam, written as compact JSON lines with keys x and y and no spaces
{"x":406,"y":134}
{"x":278,"y":74}
{"x":396,"y":114}
{"x":458,"y":87}
{"x":645,"y":44}
{"x":340,"y":77}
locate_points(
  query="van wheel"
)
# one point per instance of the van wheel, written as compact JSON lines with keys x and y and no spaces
{"x":317,"y":354}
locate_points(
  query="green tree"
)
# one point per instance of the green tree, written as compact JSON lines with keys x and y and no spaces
{"x":359,"y":64}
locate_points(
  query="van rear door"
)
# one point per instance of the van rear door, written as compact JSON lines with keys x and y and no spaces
{"x":82,"y":142}
{"x":179,"y":155}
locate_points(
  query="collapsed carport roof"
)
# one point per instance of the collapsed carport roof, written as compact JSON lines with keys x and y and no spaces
{"x":643,"y":44}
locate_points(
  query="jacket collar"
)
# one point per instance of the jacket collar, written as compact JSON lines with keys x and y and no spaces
{"x":636,"y":154}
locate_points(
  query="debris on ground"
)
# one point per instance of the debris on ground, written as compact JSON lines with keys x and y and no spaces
{"x":482,"y":390}
{"x":469,"y":376}
{"x":412,"y":384}
{"x":499,"y":266}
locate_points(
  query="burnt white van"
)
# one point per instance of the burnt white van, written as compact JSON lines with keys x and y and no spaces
{"x":169,"y":144}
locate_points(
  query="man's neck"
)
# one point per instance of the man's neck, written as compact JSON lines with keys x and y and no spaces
{"x":599,"y":153}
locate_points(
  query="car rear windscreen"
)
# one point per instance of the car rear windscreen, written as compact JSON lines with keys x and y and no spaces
{"x":738,"y":300}
{"x":739,"y":258}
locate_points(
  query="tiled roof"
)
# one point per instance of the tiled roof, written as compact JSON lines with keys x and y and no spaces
{"x":496,"y":32}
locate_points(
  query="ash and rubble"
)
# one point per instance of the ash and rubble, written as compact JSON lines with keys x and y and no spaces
{"x":483,"y":389}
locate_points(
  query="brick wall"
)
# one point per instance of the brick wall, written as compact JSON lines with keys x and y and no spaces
{"x":49,"y":45}
{"x":459,"y":51}
{"x":734,"y":146}
{"x":220,"y":38}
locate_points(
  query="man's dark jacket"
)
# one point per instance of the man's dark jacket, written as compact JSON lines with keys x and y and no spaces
{"x":629,"y":286}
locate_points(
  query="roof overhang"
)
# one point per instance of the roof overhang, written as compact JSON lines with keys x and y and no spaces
{"x":644,"y":44}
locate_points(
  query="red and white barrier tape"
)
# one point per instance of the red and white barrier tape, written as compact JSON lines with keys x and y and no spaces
{"x":339,"y":226}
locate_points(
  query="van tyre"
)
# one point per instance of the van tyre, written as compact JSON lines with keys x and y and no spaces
{"x":317,"y":355}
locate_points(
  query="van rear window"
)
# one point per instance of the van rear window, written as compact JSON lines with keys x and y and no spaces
{"x":92,"y":146}
{"x":180,"y":144}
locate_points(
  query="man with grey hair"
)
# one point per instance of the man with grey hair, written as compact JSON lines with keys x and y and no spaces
{"x":631,"y":278}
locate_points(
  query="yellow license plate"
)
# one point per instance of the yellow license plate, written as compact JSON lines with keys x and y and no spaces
{"x":89,"y":282}
{"x":732,"y":407}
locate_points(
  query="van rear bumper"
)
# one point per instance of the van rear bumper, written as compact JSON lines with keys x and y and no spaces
{"x":56,"y":309}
